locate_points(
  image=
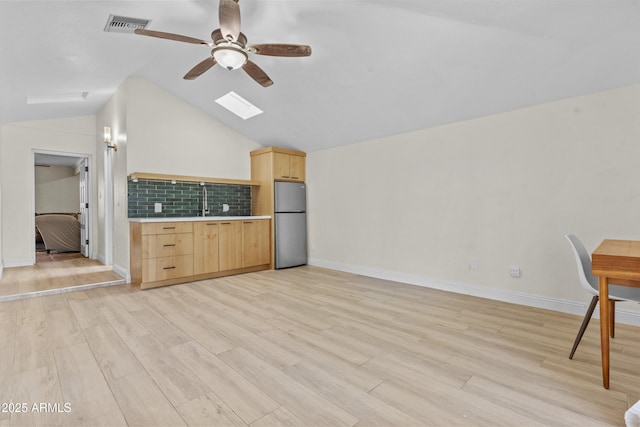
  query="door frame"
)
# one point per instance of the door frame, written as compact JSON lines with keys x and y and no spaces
{"x":89,"y":196}
{"x":108,"y":205}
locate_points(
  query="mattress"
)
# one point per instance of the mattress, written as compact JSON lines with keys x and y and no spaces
{"x":60,"y":233}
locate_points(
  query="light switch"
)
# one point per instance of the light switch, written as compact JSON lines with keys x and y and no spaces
{"x":158,"y":207}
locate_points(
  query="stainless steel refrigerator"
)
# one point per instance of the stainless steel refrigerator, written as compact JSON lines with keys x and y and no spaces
{"x":290,"y":224}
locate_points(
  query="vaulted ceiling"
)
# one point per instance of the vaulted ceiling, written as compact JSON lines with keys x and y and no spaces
{"x":378,"y":67}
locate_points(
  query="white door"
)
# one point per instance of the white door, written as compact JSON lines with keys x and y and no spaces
{"x":84,"y":207}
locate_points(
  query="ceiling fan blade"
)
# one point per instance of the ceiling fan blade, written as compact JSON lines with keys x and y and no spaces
{"x":200,"y":68}
{"x":171,"y":36}
{"x":229,"y":17}
{"x":257,"y":74}
{"x":273,"y":49}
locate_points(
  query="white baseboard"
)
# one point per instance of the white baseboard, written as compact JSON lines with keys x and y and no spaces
{"x":124,"y":272}
{"x":1,"y":269}
{"x":24,"y":262}
{"x":101,"y":259}
{"x":531,"y":300}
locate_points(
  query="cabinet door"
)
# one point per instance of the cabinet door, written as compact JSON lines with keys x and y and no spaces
{"x":281,"y":168}
{"x":297,"y":168}
{"x":205,"y":247}
{"x":255,"y":243}
{"x":230,"y":245}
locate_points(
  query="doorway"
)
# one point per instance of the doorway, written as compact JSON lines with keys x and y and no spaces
{"x":61,"y":206}
{"x":62,"y":273}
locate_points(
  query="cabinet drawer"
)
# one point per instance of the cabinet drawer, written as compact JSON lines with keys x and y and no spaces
{"x":166,"y":228}
{"x":163,"y":245}
{"x":155,"y":269}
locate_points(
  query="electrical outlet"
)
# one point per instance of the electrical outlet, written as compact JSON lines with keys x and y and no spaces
{"x":514,"y":271}
{"x":157,"y":207}
{"x":225,"y":207}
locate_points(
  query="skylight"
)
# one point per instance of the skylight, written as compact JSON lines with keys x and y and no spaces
{"x":53,"y":99}
{"x":238,"y":105}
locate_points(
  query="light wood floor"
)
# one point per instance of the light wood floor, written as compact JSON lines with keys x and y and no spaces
{"x":304,"y":347}
{"x":53,"y":257}
{"x":56,"y":276}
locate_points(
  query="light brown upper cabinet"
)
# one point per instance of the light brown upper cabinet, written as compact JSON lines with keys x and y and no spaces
{"x":288,"y":167}
{"x":278,"y":164}
{"x":273,"y":164}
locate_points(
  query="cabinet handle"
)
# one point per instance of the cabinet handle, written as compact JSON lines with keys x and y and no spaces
{"x":173,"y":244}
{"x":248,"y":222}
{"x":168,"y":268}
{"x":285,"y":176}
{"x":212,"y":223}
{"x":168,"y":228}
{"x":295,"y":177}
{"x":225,"y":223}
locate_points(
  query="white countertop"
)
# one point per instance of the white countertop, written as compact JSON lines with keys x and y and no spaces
{"x":199,"y":218}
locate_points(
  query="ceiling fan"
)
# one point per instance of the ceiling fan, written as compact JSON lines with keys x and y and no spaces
{"x":230,"y":48}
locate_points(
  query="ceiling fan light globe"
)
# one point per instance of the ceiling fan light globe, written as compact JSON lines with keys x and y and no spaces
{"x":229,"y":57}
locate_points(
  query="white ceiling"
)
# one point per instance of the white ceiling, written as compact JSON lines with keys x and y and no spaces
{"x":378,"y":68}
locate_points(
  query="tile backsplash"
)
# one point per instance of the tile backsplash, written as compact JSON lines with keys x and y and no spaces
{"x":184,"y":199}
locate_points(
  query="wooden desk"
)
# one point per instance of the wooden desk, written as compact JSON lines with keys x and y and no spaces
{"x":616,"y":261}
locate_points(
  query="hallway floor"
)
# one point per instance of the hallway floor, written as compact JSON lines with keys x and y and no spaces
{"x":74,"y":273}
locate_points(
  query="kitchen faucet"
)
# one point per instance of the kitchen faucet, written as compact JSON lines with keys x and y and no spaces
{"x":205,"y":206}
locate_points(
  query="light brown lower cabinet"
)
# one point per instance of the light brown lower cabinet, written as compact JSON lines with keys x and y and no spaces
{"x":205,"y":247}
{"x":230,"y":246}
{"x":255,"y":243}
{"x":244,"y":244}
{"x":177,"y":252}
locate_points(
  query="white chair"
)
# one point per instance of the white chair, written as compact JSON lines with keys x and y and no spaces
{"x":590,"y":283}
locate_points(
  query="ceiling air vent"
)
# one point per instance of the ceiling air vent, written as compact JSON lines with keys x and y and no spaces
{"x":125,"y":24}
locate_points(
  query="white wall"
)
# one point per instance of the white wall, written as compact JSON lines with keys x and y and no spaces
{"x":1,"y":257}
{"x":162,"y":134}
{"x":502,"y":189}
{"x":167,"y":135}
{"x":57,"y":189}
{"x":114,"y":115}
{"x":19,"y":140}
